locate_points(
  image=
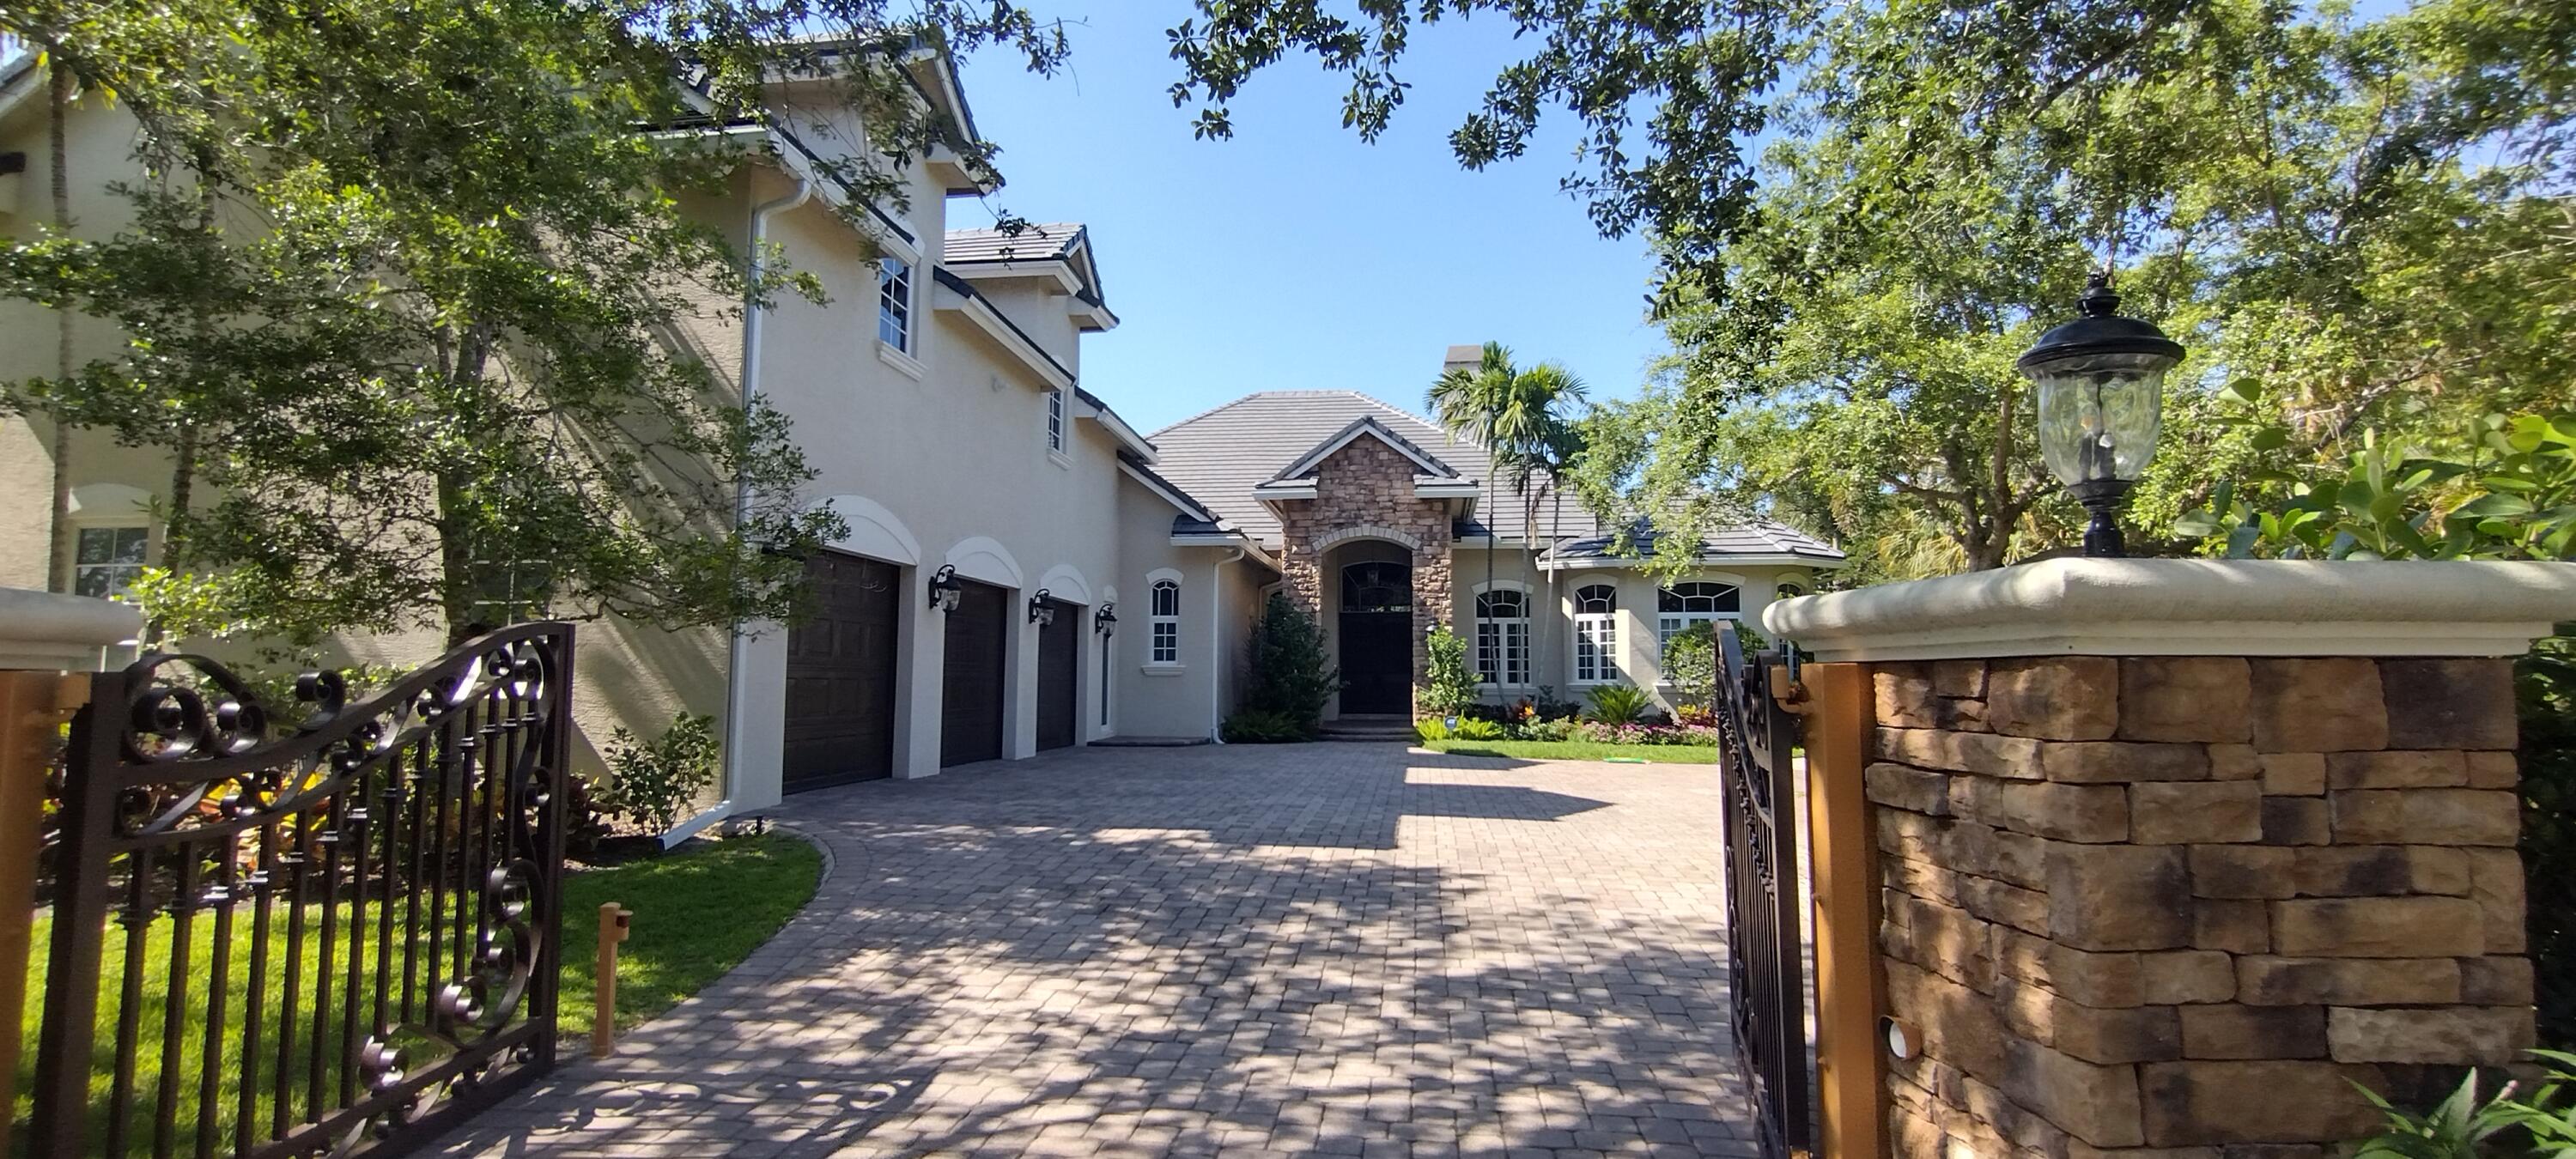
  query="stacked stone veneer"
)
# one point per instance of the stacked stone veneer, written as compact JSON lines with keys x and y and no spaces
{"x":2173,"y":907}
{"x":1369,"y":484}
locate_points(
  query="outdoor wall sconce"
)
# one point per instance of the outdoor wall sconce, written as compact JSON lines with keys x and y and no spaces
{"x":1042,"y":608}
{"x":1105,"y":621}
{"x":2101,"y":381}
{"x":945,"y":591}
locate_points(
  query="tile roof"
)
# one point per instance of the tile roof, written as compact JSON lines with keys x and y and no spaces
{"x":1036,"y":243}
{"x":1306,"y":464}
{"x":1757,"y":537}
{"x":1220,"y":455}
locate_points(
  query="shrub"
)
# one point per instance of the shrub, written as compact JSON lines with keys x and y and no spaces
{"x":1690,"y":662}
{"x":2508,"y":1123}
{"x":1291,"y":675}
{"x":1548,"y":730}
{"x":1432,"y":728}
{"x":1450,"y":686}
{"x":651,"y":785}
{"x":1547,"y":707}
{"x":1262,"y":726}
{"x":1469,"y":728}
{"x":1619,"y":703}
{"x":1695,"y":716}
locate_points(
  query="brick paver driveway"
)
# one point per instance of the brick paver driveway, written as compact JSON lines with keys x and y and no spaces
{"x":1337,"y":949}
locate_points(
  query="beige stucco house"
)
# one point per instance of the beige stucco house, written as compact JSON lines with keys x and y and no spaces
{"x":1023,"y":569}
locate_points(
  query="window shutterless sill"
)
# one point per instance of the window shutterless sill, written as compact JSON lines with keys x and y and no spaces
{"x":1164,"y":669}
{"x":1060,"y":459}
{"x":910,"y":366}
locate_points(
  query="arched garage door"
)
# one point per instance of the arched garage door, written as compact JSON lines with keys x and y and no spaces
{"x":841,"y":675}
{"x":970,"y":727}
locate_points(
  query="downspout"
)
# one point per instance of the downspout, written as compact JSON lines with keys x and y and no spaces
{"x":753,"y":312}
{"x":1216,"y":645}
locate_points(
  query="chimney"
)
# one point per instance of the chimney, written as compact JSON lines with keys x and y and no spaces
{"x":1467,"y":358}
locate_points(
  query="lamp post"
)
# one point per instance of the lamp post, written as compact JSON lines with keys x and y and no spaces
{"x":2101,"y":381}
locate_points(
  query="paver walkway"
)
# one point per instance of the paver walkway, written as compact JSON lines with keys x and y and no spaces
{"x":1335,"y":949}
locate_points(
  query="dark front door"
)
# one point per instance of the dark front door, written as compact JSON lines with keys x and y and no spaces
{"x":841,"y":675}
{"x":1377,"y":639}
{"x":970,"y":704}
{"x":1059,"y":654}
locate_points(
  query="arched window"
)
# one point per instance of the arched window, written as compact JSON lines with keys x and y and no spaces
{"x":1503,"y":637}
{"x":1596,"y":634}
{"x":1164,"y":621}
{"x":1682,"y":605}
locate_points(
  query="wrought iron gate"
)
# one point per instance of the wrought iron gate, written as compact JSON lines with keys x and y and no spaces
{"x":1765,"y":954}
{"x":329,"y":937}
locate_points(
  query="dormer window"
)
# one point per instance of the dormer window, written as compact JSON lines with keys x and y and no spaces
{"x":1055,"y":422}
{"x":894,"y":303}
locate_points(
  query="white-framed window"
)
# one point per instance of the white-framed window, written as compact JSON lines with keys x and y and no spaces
{"x":1503,"y":637}
{"x":1596,"y":634}
{"x":1163,"y":620}
{"x":1698,"y":602}
{"x":1055,"y":422}
{"x":894,"y":303}
{"x":106,"y":560}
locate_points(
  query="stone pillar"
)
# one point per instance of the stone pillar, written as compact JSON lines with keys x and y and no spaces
{"x":2174,"y":852}
{"x":1301,"y":570}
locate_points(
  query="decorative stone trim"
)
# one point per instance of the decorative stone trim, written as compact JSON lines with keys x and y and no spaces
{"x":2190,"y":607}
{"x":1367,"y":531}
{"x":52,"y":631}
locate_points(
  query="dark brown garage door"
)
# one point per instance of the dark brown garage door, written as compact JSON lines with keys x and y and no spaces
{"x":970,"y":727}
{"x":1059,"y":654}
{"x":840,"y":675}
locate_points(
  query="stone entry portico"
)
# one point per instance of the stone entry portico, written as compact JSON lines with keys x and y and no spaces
{"x":1369,"y":489}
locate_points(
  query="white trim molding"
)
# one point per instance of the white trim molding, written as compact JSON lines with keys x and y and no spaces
{"x":1066,"y":584}
{"x":1367,"y":531}
{"x":54,"y":631}
{"x":875,"y":532}
{"x":2190,"y":607}
{"x":983,"y":558}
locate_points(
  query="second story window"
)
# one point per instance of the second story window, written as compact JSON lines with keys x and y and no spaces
{"x":1055,"y":421}
{"x":105,"y":560}
{"x":894,"y":303}
{"x":1166,"y":623}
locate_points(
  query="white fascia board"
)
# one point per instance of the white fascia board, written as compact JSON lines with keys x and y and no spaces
{"x":1118,"y":429}
{"x":1284,"y":491}
{"x":1232,"y":541}
{"x":958,"y":180}
{"x":1447,"y":489}
{"x":1372,"y":429}
{"x":1178,"y":501}
{"x":1092,"y":317}
{"x":1054,"y":268}
{"x":991,"y":324}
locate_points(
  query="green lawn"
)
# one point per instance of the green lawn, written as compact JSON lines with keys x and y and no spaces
{"x":698,"y":912}
{"x":1577,"y":750}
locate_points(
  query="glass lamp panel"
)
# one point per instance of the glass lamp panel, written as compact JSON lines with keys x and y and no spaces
{"x":2099,"y":414}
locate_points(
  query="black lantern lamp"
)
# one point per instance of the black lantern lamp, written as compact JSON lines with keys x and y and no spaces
{"x":1105,"y":621}
{"x":945,"y":591}
{"x":1042,"y":608}
{"x":2101,"y":381}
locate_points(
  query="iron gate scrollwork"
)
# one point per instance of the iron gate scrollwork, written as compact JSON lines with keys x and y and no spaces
{"x":1765,"y":952}
{"x":326,"y":937}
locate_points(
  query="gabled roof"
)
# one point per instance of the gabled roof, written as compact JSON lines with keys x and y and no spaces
{"x":1060,"y":249}
{"x":1368,"y":425}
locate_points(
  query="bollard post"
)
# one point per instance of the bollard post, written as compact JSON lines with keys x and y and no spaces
{"x":613,"y":922}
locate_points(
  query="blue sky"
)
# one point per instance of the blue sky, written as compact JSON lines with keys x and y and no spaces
{"x":1294,"y":256}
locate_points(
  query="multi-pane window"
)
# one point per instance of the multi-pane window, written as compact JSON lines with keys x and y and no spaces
{"x":1596,"y":634}
{"x":1502,"y":637}
{"x":1682,"y":605}
{"x":1165,"y":621}
{"x":107,"y":559}
{"x":1055,"y":421}
{"x":894,"y":303}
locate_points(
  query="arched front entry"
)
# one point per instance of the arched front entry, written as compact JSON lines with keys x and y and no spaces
{"x":1376,"y":632}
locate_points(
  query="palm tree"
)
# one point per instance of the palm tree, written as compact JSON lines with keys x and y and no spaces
{"x":1520,"y":418}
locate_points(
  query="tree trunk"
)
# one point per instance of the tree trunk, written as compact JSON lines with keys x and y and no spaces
{"x":58,"y":101}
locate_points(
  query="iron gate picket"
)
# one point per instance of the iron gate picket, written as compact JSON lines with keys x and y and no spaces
{"x":358,"y":917}
{"x":1765,"y":954}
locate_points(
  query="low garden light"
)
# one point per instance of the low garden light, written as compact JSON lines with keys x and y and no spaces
{"x":2101,"y":381}
{"x":945,"y":591}
{"x":1042,"y":608}
{"x":1105,"y":621}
